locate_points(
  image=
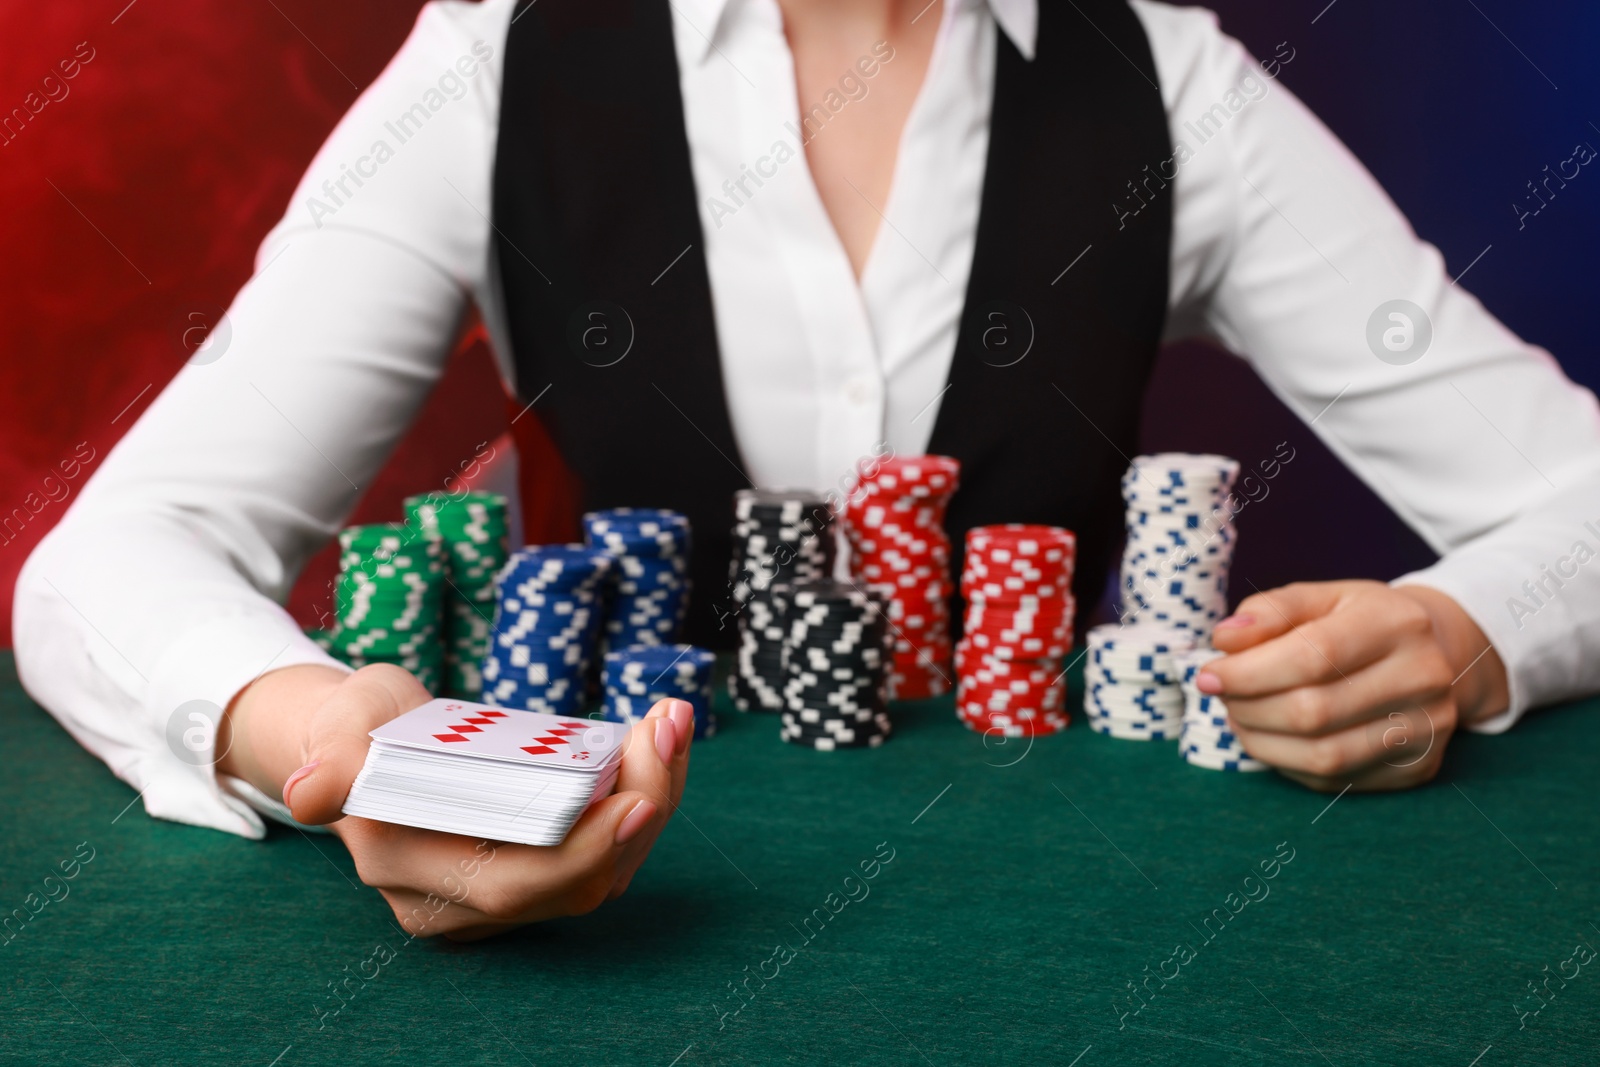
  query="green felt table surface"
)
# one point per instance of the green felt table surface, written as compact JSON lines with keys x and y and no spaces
{"x":1028,"y":886}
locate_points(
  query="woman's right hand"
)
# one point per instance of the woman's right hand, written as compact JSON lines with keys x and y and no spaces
{"x":303,"y":732}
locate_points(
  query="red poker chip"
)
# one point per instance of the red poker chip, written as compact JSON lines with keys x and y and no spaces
{"x":1004,"y":717}
{"x":1015,"y":711}
{"x":1021,"y":685}
{"x":1007,"y":717}
{"x":1022,"y":648}
{"x":1005,"y":600}
{"x":895,"y":525}
{"x":981,"y":681}
{"x":917,"y":602}
{"x":1017,"y":582}
{"x":1027,"y":573}
{"x":901,"y":525}
{"x":997,"y":596}
{"x":917,"y":684}
{"x":969,"y":659}
{"x":1024,"y":537}
{"x":994,"y":619}
{"x":991,"y":726}
{"x":1012,"y":711}
{"x":905,"y":475}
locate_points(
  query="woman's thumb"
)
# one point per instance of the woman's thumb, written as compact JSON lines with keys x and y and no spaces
{"x":339,"y":738}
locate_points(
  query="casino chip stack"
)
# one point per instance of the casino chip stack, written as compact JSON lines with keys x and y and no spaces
{"x":1206,"y":739}
{"x":778,"y":537}
{"x":1132,"y":682}
{"x":387,"y":601}
{"x":835,"y":660}
{"x":895,"y":523}
{"x":472,"y":528}
{"x":636,"y":678}
{"x":546,"y":625}
{"x":649,"y":591}
{"x":1180,"y":540}
{"x":1017,"y":583}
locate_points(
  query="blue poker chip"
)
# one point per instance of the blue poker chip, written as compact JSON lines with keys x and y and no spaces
{"x":546,"y":625}
{"x":1216,"y":738}
{"x":1225,"y":763}
{"x":1151,"y":697}
{"x":648,"y":588}
{"x":1120,"y":730}
{"x":663,"y":657}
{"x":508,"y":694}
{"x":636,"y":677}
{"x":1105,"y":676}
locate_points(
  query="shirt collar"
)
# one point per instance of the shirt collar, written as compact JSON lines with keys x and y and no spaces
{"x":1018,"y":20}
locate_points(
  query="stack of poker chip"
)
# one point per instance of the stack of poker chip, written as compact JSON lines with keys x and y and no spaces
{"x":547,"y":622}
{"x":836,"y":655}
{"x":779,"y":537}
{"x":1206,"y":739}
{"x":473,"y":531}
{"x":637,"y":677}
{"x":1132,"y":681}
{"x":898,"y":547}
{"x":1017,"y":582}
{"x":387,"y":601}
{"x":649,"y":591}
{"x":1180,"y":540}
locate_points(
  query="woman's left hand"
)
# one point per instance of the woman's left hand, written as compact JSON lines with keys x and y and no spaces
{"x":1353,"y":683}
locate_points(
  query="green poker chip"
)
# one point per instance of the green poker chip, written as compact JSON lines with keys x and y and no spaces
{"x":389,"y":600}
{"x":473,"y":534}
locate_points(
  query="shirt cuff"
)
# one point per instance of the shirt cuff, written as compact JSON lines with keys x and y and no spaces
{"x":190,"y":686}
{"x":1479,"y":586}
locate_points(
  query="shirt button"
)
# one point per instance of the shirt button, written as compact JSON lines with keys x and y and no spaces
{"x":861,"y":391}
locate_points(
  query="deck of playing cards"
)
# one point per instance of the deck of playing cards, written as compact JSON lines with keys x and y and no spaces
{"x":495,"y":773}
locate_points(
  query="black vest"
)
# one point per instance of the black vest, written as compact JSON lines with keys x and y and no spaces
{"x":594,"y":198}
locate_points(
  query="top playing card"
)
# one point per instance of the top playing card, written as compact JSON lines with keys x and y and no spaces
{"x":460,"y":727}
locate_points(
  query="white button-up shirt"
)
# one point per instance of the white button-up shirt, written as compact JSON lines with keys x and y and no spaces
{"x":163,"y":584}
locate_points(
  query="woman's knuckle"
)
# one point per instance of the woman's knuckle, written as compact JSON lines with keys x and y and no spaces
{"x":1308,"y":710}
{"x":1323,"y":760}
{"x":497,"y":903}
{"x":588,"y":894}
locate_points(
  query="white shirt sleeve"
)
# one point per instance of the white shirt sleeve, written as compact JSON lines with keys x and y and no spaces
{"x":1284,"y":247}
{"x":163,"y":583}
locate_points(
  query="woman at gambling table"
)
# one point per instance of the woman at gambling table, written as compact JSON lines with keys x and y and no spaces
{"x":722,"y":240}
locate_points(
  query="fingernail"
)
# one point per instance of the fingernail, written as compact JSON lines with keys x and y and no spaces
{"x":1207,"y":682}
{"x":1234,"y":622}
{"x":683,"y":719}
{"x":666,"y":740}
{"x":635,"y":821}
{"x":295,"y":777}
